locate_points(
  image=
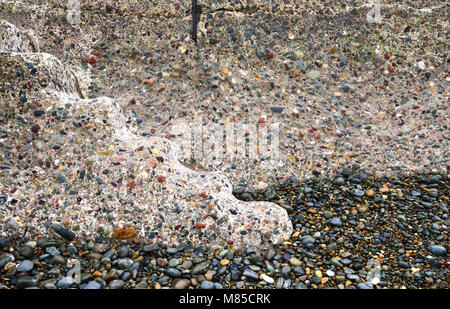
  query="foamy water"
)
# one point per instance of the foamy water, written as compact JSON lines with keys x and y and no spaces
{"x":159,"y":197}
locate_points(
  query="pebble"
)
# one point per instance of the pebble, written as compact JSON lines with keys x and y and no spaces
{"x":437,"y":250}
{"x":173,"y":273}
{"x":365,"y":285}
{"x":251,"y":275}
{"x":63,"y":232}
{"x":58,"y":260}
{"x":267,"y":279}
{"x":336,"y":222}
{"x":182,"y":284}
{"x":116,"y":284}
{"x":26,"y":251}
{"x":207,"y":285}
{"x":25,"y":266}
{"x":199,"y":268}
{"x":187,"y":264}
{"x":93,"y":285}
{"x":52,"y":250}
{"x":295,"y":262}
{"x":26,"y":282}
{"x":64,"y":283}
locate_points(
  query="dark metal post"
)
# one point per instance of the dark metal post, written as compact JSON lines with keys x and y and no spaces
{"x":194,"y":20}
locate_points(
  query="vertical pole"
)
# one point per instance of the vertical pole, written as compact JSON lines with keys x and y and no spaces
{"x":194,"y":20}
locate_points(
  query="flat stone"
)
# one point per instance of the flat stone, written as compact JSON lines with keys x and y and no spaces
{"x":295,"y":262}
{"x":181,"y":284}
{"x":141,"y":286}
{"x":187,"y":264}
{"x":199,"y":268}
{"x":173,"y":273}
{"x":26,"y":282}
{"x":437,"y":250}
{"x":58,"y":260}
{"x":336,"y":222}
{"x":92,"y":285}
{"x":26,"y":251}
{"x":150,"y":248}
{"x":251,"y":275}
{"x":116,"y":284}
{"x":25,"y":266}
{"x":207,"y":285}
{"x":267,"y":278}
{"x":365,"y":285}
{"x":64,"y":283}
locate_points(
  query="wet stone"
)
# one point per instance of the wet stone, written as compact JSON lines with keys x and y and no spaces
{"x":116,"y":284}
{"x":26,"y":282}
{"x":26,"y":251}
{"x":25,"y":266}
{"x":437,"y":250}
{"x":173,"y":273}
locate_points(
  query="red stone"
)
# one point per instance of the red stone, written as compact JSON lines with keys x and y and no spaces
{"x":92,"y":60}
{"x":161,"y":179}
{"x":270,"y":55}
{"x":204,"y":195}
{"x":200,"y":225}
{"x":390,"y":68}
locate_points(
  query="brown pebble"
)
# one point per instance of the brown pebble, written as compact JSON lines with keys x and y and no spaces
{"x":35,"y":128}
{"x":124,"y":233}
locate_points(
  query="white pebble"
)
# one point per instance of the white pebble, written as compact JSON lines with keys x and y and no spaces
{"x":421,"y":65}
{"x":330,"y":273}
{"x":267,"y":279}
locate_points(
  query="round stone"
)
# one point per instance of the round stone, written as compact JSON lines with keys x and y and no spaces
{"x":207,"y":285}
{"x":437,"y":250}
{"x":267,"y":278}
{"x":173,"y":273}
{"x":25,"y":266}
{"x":93,"y":285}
{"x":116,"y":284}
{"x":336,"y":222}
{"x":294,"y":261}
